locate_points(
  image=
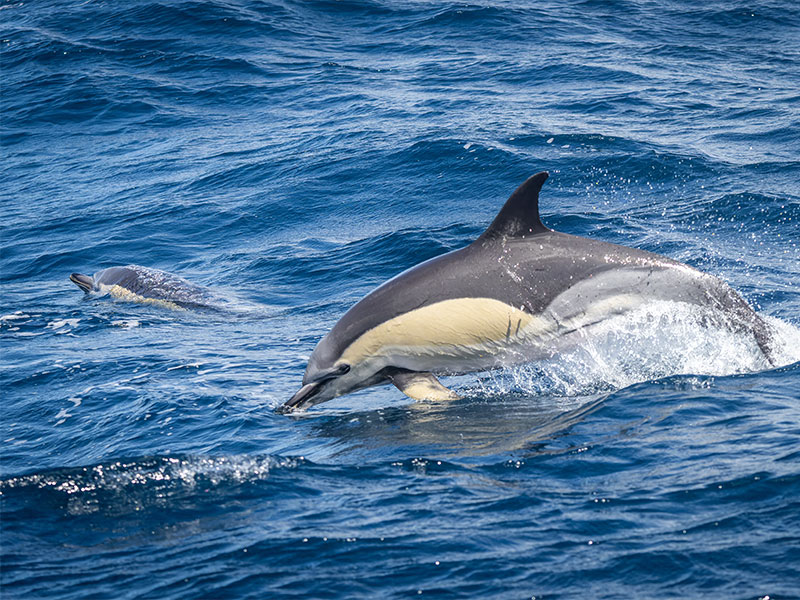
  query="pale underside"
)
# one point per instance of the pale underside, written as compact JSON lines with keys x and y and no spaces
{"x":120,"y":293}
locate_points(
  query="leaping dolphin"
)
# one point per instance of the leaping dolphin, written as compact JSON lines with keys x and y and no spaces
{"x":512,"y":296}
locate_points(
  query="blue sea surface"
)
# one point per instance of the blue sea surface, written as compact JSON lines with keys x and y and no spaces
{"x":291,"y":155}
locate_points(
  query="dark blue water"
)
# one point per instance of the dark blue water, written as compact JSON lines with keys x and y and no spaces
{"x":293,"y":155}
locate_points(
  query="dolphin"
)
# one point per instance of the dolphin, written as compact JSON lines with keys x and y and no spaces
{"x":518,"y":293}
{"x":144,"y":285}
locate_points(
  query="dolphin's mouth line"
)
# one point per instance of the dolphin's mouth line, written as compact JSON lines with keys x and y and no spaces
{"x":303,"y":395}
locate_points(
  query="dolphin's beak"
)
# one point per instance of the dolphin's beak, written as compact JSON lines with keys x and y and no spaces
{"x":304,"y":394}
{"x":84,"y":282}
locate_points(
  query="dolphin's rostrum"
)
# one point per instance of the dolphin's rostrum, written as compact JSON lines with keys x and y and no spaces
{"x":520,"y":292}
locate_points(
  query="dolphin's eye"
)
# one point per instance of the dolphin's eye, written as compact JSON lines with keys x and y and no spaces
{"x":342,"y":369}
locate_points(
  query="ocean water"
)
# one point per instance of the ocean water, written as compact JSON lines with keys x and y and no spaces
{"x":292,"y":155}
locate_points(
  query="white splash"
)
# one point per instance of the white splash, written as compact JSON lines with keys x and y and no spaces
{"x":659,"y":340}
{"x":61,"y":323}
{"x":133,"y":485}
{"x":13,"y":316}
{"x":126,"y":323}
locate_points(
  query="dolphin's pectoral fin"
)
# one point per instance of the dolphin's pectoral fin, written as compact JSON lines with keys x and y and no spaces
{"x":420,"y":386}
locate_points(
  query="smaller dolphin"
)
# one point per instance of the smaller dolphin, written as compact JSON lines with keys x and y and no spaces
{"x":144,"y":285}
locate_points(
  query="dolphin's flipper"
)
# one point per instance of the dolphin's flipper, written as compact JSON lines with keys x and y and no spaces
{"x":420,"y":386}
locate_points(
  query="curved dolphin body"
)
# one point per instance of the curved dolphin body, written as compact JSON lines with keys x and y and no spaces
{"x":134,"y":283}
{"x":518,"y":293}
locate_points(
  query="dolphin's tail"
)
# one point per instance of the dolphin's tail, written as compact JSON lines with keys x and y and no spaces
{"x":84,"y":282}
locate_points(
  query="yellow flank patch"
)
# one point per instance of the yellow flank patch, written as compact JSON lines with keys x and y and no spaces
{"x":121,"y":293}
{"x":457,"y":323}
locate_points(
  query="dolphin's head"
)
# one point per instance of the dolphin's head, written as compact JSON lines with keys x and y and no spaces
{"x":85,"y":282}
{"x":329,"y":374}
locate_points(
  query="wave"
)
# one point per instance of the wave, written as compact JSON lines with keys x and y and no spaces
{"x":129,"y":485}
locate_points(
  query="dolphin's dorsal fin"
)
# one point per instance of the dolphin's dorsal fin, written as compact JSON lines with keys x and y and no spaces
{"x":519,"y":216}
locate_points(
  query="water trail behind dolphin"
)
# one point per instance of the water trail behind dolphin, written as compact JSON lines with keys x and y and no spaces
{"x":658,"y":340}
